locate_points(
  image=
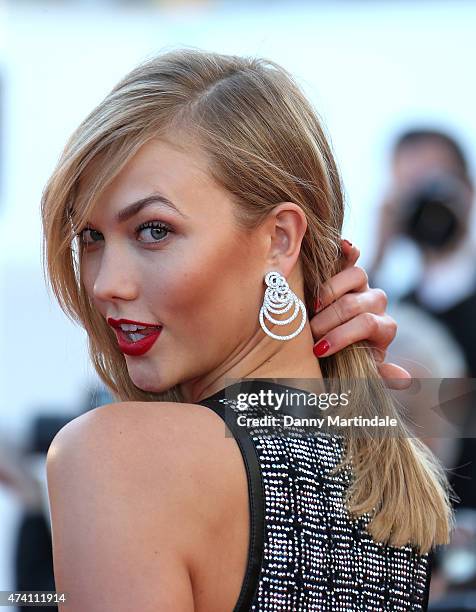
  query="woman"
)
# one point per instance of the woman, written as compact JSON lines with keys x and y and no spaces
{"x":198,"y":176}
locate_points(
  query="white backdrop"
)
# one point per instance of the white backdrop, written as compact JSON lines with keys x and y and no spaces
{"x":371,"y":68}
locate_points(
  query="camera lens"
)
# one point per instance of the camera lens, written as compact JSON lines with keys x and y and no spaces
{"x":433,"y":214}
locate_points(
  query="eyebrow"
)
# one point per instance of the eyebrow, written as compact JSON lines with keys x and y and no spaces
{"x":154,"y":198}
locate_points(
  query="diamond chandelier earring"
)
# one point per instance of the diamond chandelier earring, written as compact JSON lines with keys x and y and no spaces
{"x":278,"y":299}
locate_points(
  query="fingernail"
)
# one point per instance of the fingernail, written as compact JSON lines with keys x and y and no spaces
{"x":317,"y":304}
{"x":349,"y":243}
{"x":320,"y":348}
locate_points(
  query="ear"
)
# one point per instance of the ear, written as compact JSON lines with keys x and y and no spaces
{"x":286,"y":226}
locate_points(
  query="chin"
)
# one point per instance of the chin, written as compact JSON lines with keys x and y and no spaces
{"x":147,"y":381}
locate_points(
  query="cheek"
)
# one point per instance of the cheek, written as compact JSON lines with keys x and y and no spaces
{"x":87,"y":274}
{"x":213,"y":291}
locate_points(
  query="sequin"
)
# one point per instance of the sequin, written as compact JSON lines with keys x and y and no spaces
{"x":315,"y":556}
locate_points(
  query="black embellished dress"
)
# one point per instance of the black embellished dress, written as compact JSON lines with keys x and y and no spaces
{"x":305,"y":551}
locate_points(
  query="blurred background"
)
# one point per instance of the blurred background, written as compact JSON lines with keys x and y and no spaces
{"x":392,"y":83}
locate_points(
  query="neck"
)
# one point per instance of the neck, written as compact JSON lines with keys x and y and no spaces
{"x":261,"y":357}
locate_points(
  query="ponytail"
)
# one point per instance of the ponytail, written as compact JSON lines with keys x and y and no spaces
{"x":396,"y":478}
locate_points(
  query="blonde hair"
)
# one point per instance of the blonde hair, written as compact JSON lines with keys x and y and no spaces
{"x":265,"y":145}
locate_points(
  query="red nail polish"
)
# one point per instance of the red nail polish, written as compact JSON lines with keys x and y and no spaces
{"x":317,"y":304}
{"x":320,"y":348}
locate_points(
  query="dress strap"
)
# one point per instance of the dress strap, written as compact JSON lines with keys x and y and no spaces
{"x":256,"y":503}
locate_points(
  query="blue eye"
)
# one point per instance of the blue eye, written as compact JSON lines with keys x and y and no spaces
{"x":156,"y":231}
{"x":156,"y":228}
{"x":93,"y":234}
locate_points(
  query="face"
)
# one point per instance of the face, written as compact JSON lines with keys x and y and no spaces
{"x":185,"y":266}
{"x":415,"y":163}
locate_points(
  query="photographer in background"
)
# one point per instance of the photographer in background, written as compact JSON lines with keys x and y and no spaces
{"x":430,"y":201}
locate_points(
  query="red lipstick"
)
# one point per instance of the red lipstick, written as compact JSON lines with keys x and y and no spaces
{"x":137,"y":347}
{"x":117,"y":322}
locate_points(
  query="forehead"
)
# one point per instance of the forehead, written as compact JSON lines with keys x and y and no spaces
{"x":416,"y":160}
{"x":176,"y":170}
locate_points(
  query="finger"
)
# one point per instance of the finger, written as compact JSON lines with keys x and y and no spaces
{"x":350,"y":279}
{"x":347,"y":307}
{"x":395,"y":377}
{"x":379,"y":354}
{"x":350,"y":252}
{"x":377,"y":330}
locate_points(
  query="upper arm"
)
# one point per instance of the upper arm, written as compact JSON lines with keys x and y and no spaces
{"x":118,"y":499}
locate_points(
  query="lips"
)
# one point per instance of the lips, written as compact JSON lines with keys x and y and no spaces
{"x":118,"y":322}
{"x":139,"y":347}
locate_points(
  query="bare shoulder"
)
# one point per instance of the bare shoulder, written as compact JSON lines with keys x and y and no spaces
{"x":185,"y":441}
{"x":169,"y":430}
{"x":140,"y":477}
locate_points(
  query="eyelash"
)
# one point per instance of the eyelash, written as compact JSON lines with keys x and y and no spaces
{"x":148,"y":224}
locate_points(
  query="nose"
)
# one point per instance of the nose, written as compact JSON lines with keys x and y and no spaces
{"x":116,"y":279}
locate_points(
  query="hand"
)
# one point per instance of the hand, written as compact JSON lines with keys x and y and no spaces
{"x":349,"y":311}
{"x":388,"y":226}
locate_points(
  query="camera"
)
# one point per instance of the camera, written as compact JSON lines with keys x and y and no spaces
{"x":434,"y":213}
